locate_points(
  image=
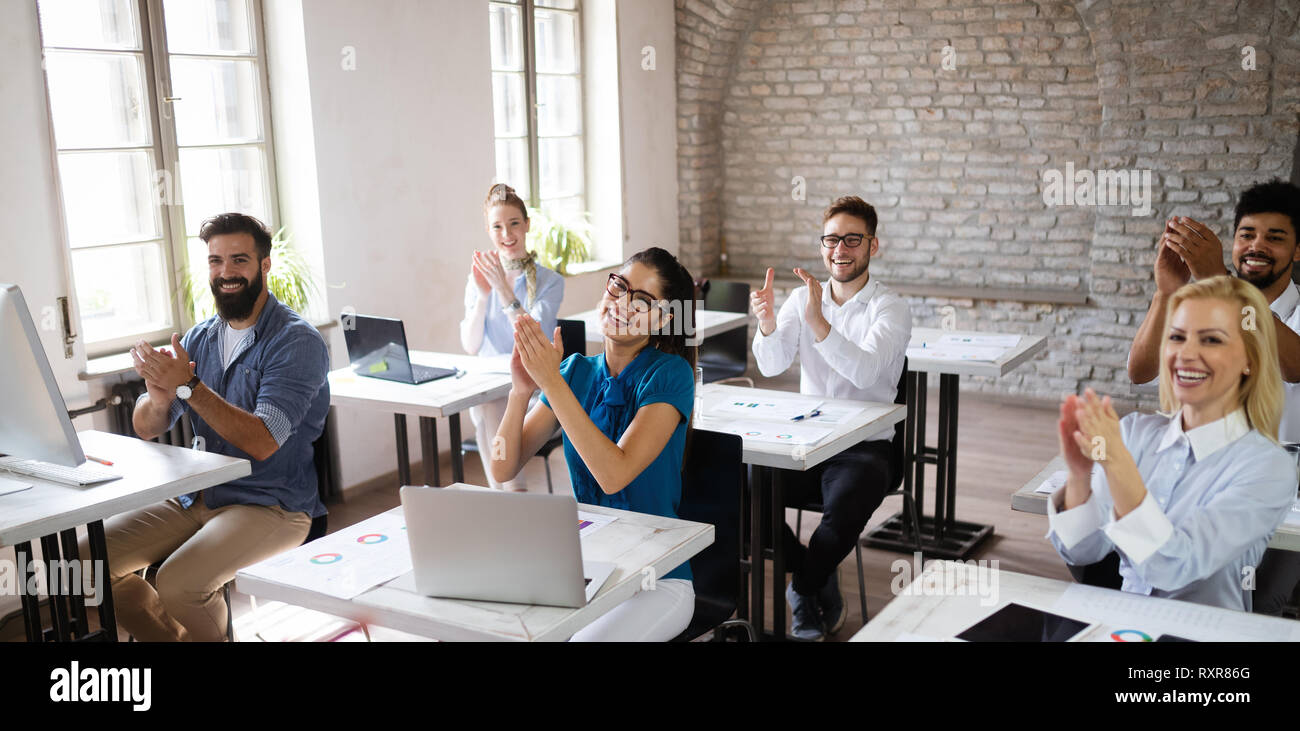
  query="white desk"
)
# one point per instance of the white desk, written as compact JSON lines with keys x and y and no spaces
{"x":632,"y":543}
{"x":767,"y":458}
{"x":1026,"y":500}
{"x":707,"y":323}
{"x":485,"y":379}
{"x":943,"y":535}
{"x":51,"y":512}
{"x":928,"y":609}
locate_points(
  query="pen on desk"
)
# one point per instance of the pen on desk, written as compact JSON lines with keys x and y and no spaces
{"x":101,"y":461}
{"x":816,"y":412}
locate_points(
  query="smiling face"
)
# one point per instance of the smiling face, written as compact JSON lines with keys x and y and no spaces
{"x":846,"y":263}
{"x":1264,"y":248}
{"x":236,"y":275}
{"x":1206,"y":356}
{"x":508,"y":229}
{"x":625,"y":320}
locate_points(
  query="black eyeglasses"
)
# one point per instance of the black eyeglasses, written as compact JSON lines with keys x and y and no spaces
{"x":640,"y":300}
{"x":852,"y":241}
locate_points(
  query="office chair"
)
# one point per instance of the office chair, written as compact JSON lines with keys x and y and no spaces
{"x":895,"y":480}
{"x":573,"y":334}
{"x":712,"y":475}
{"x":725,"y":356}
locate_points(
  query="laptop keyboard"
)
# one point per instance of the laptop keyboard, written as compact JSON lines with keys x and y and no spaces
{"x":424,"y":373}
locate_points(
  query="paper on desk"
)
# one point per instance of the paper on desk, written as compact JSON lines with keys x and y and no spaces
{"x":1054,"y":482}
{"x":991,"y":341}
{"x":1161,"y":617}
{"x":344,"y":564}
{"x":776,"y":409}
{"x":774,"y":432}
{"x":589,"y":523}
{"x":1293,"y":516}
{"x":952,"y":351}
{"x":833,"y":414}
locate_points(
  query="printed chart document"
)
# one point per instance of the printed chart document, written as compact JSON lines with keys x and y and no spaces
{"x":775,"y":409}
{"x":776,"y":432}
{"x":989,"y":341}
{"x":1127,"y":613}
{"x":1293,"y":517}
{"x":1054,"y":482}
{"x":973,"y":346}
{"x":347,"y":563}
{"x":589,"y":523}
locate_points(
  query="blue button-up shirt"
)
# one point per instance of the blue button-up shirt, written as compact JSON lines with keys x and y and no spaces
{"x":1215,"y":495}
{"x":498,"y":328}
{"x":277,"y":375}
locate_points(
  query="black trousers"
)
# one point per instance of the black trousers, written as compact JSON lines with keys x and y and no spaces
{"x":1276,"y":581}
{"x":849,"y":487}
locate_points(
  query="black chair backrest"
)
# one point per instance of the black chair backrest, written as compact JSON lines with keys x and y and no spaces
{"x":900,"y":397}
{"x":727,"y":296}
{"x":573,"y":334}
{"x":712,"y":474}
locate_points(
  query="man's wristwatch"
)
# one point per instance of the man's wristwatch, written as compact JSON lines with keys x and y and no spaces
{"x":184,"y":391}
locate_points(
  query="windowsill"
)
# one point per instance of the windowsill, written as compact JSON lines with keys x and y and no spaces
{"x":587,"y":267}
{"x":116,"y":364}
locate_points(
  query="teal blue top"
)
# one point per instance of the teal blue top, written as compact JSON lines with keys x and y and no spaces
{"x":612,"y":402}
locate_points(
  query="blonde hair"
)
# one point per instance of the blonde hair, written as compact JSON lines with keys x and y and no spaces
{"x":1260,"y":391}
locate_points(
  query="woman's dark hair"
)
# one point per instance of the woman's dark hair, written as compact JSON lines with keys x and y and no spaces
{"x":238,"y":223}
{"x":679,"y":291}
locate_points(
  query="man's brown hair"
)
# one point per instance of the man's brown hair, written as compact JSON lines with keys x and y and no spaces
{"x":854,"y":206}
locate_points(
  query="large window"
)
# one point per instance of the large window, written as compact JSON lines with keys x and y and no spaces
{"x":537,"y":101}
{"x":160,"y":119}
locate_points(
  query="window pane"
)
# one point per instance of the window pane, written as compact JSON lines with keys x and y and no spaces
{"x":512,"y":165}
{"x":507,"y":38}
{"x":109,"y":196}
{"x":89,"y":23}
{"x":231,"y":179}
{"x":559,"y":106}
{"x":219,"y":101}
{"x":97,"y":99}
{"x":564,"y":209}
{"x":561,"y":4}
{"x":557,"y":42}
{"x":560,"y":167}
{"x":508,"y":105}
{"x":208,"y":26}
{"x":122,"y":290}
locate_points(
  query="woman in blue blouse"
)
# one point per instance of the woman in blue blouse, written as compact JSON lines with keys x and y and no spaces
{"x":503,"y":284}
{"x":1190,"y":500}
{"x":624,"y":414}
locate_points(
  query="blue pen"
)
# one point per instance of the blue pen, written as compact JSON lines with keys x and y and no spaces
{"x":817,"y":412}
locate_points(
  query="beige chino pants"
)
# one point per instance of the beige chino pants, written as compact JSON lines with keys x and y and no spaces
{"x":201,"y":549}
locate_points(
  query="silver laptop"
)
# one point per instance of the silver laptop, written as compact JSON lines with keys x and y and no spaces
{"x":499,"y":547}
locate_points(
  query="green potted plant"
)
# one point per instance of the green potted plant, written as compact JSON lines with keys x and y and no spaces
{"x":290,"y":280}
{"x":559,"y":241}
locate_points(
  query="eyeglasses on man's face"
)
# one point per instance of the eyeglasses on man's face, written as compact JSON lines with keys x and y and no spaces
{"x":830,"y":241}
{"x":640,"y":301}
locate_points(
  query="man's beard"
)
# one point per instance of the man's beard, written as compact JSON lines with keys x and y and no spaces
{"x":852,"y":274}
{"x":1265,"y":279}
{"x":237,"y":305}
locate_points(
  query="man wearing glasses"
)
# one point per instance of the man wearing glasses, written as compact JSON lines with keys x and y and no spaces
{"x":851,"y":335}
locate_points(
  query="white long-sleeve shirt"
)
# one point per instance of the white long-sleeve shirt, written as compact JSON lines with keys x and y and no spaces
{"x":861,"y":358}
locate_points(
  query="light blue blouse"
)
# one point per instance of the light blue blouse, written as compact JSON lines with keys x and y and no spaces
{"x":1215,"y":495}
{"x":498,"y":332}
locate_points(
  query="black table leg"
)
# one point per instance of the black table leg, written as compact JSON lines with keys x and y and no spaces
{"x":76,"y":593}
{"x":31,"y":604}
{"x":742,"y":598}
{"x":918,"y":453}
{"x":757,"y":577}
{"x":429,"y":451}
{"x":54,"y":589}
{"x":951,"y":386}
{"x":104,"y":591}
{"x":941,"y":462}
{"x":457,"y":459}
{"x":778,"y":554}
{"x":909,"y":454}
{"x":403,"y":455}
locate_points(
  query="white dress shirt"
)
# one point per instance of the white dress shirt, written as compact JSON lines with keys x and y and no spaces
{"x":1215,"y":495}
{"x":861,"y":358}
{"x":1287,"y":308}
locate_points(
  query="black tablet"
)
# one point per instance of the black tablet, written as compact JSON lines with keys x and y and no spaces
{"x":1018,"y":623}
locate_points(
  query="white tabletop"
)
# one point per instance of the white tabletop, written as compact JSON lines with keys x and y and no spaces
{"x":486,"y":379}
{"x":949,"y":597}
{"x":632,"y":543}
{"x":873,"y":418}
{"x":707,"y":323}
{"x":150,"y":472}
{"x":1026,"y":500}
{"x":1028,"y":347}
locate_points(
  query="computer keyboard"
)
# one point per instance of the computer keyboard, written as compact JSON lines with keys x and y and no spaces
{"x":87,"y":474}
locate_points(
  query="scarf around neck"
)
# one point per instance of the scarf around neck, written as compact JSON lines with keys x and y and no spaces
{"x":529,"y":265}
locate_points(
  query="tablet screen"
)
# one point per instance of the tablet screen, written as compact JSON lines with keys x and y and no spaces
{"x":1018,"y":623}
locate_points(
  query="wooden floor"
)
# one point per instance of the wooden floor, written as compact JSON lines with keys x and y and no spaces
{"x":1001,"y":445}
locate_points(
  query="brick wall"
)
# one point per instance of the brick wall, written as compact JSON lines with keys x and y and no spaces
{"x":853,"y":96}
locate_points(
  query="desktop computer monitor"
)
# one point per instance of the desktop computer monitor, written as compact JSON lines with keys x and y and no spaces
{"x":34,"y":421}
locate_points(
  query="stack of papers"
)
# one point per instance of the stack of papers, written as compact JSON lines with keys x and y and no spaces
{"x":1054,"y":482}
{"x":344,"y":564}
{"x":1293,"y":517}
{"x":782,"y":409}
{"x":982,"y":348}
